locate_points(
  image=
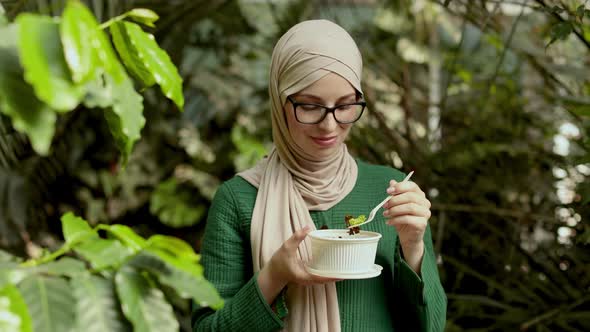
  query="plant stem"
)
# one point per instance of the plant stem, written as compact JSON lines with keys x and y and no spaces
{"x":65,"y":248}
{"x":113,"y":20}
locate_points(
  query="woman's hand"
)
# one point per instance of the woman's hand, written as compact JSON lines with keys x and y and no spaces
{"x":286,"y":267}
{"x":408,"y":211}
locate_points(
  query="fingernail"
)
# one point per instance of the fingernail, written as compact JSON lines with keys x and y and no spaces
{"x":386,"y":213}
{"x":390,"y":190}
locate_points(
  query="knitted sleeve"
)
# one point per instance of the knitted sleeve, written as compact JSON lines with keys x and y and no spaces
{"x":225,"y":255}
{"x":420,"y":302}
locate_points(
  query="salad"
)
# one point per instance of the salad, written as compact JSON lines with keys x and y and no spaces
{"x":350,"y":221}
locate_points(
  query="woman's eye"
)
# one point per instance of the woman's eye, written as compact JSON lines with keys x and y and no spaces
{"x":345,"y":107}
{"x":310,"y":107}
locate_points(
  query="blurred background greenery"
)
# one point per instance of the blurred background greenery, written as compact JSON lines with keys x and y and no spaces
{"x":488,"y":101}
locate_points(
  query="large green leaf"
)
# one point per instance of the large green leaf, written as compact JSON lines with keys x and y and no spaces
{"x":156,"y":61}
{"x":126,"y":117}
{"x":97,"y":306}
{"x":42,"y":57}
{"x":14,"y":315}
{"x":17,"y":99}
{"x":50,"y":303}
{"x":75,"y":228}
{"x":129,"y":55}
{"x":11,"y":273}
{"x":186,"y":285}
{"x":127,"y":236}
{"x":103,"y":253}
{"x":112,"y":88}
{"x":144,"y":305}
{"x":173,"y":246}
{"x":65,"y":266}
{"x":78,"y":27}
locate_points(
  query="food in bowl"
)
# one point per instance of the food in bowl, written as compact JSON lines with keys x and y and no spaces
{"x":350,"y":221}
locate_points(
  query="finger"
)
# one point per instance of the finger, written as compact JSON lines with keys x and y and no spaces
{"x":405,"y":187}
{"x":293,"y":242}
{"x":408,"y":197}
{"x":408,"y":220}
{"x":411,"y":209}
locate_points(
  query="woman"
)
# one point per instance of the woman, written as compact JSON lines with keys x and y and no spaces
{"x":254,"y":245}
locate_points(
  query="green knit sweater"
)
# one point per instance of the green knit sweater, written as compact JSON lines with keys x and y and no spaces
{"x":397,"y":300}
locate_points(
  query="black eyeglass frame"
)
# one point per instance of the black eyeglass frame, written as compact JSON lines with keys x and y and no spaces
{"x":328,"y":110}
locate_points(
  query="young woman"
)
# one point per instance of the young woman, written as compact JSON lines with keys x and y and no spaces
{"x":255,"y":245}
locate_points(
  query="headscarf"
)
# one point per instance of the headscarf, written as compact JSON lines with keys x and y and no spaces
{"x":290,"y":181}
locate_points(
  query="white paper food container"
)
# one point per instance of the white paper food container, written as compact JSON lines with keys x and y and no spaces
{"x":335,"y":251}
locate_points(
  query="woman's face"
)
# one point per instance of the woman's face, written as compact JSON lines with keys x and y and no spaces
{"x":324,"y":138}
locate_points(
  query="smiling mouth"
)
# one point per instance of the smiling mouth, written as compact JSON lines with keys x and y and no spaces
{"x":325,"y":141}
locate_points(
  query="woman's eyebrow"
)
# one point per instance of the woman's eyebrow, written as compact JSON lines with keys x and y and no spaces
{"x":321,"y":100}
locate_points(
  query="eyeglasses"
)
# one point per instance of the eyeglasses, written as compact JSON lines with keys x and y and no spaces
{"x":313,"y":113}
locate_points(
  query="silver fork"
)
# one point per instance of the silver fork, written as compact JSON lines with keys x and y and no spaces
{"x":374,"y":211}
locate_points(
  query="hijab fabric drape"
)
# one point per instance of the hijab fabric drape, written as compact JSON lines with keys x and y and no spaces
{"x":291,"y":181}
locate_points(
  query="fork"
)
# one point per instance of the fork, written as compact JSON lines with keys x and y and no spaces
{"x":374,"y":211}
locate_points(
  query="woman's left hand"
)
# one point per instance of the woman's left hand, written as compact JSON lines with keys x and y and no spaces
{"x":408,"y":211}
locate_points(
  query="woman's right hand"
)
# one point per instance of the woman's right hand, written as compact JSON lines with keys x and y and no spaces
{"x":285,"y":267}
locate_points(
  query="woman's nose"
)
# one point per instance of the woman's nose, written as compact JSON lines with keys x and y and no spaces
{"x":329,"y":123}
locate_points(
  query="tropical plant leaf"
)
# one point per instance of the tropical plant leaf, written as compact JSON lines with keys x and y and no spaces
{"x":173,"y":206}
{"x":75,"y":228}
{"x":114,"y":88}
{"x":15,"y":315}
{"x":143,"y":16}
{"x":186,"y":285}
{"x":103,"y":253}
{"x":18,"y":100}
{"x":44,"y":63}
{"x":173,"y":246}
{"x":144,"y":305}
{"x":127,"y":236}
{"x":78,"y":27}
{"x":11,"y":273}
{"x":50,"y":303}
{"x":97,"y":305}
{"x":157,"y":62}
{"x":129,"y":55}
{"x":65,"y":266}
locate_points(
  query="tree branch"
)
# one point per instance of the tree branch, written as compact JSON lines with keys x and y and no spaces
{"x":561,"y":19}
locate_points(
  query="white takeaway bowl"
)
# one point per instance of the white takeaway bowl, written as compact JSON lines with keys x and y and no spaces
{"x":335,"y":251}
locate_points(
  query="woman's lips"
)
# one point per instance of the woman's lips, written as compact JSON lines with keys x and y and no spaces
{"x":325,"y":141}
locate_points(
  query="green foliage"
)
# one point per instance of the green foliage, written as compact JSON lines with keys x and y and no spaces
{"x":42,"y":57}
{"x":126,"y":284}
{"x":152,"y":63}
{"x":70,"y":61}
{"x":15,"y":315}
{"x":143,"y":16}
{"x":174,"y":206}
{"x":97,"y":306}
{"x":49,"y":301}
{"x":3,"y":20}
{"x":17,"y":99}
{"x":143,"y":304}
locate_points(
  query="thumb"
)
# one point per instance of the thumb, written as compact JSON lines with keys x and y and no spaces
{"x":295,"y":240}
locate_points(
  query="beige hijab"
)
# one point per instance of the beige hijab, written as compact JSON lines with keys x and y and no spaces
{"x":290,"y":181}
